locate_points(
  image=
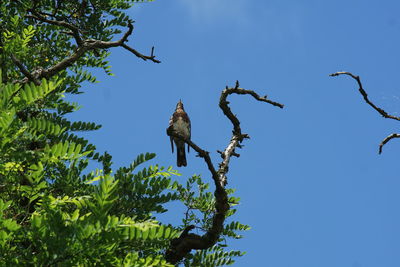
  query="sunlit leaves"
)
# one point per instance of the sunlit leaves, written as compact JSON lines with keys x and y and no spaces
{"x":214,"y":256}
{"x":146,"y":189}
{"x":200,"y":205}
{"x":133,"y":259}
{"x":7,"y":226}
{"x":64,"y":151}
{"x":17,"y":43}
{"x":149,"y":232}
{"x":6,"y":118}
{"x":32,"y":92}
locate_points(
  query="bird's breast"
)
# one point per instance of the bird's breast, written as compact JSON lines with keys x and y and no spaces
{"x":182,"y":127}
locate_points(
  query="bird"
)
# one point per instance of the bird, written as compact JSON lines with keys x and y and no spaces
{"x":180,"y":124}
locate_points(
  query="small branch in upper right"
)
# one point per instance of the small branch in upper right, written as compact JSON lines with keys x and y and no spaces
{"x":387,"y":139}
{"x":365,"y":95}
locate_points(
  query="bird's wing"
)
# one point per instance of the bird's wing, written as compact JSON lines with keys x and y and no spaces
{"x":171,"y":121}
{"x":190,"y":130}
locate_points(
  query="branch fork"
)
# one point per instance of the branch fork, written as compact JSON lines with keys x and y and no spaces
{"x":181,"y":246}
{"x":83,"y":45}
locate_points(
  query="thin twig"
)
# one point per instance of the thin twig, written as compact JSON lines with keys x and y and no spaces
{"x":365,"y":95}
{"x":387,"y":139}
{"x":139,"y":55}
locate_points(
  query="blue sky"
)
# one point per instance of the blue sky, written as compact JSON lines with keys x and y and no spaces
{"x":312,"y":185}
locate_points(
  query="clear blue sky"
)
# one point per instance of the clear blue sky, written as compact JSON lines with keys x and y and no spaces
{"x":313,"y":187}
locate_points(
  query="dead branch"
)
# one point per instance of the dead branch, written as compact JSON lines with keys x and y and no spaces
{"x":365,"y":96}
{"x":181,"y":246}
{"x":387,"y":139}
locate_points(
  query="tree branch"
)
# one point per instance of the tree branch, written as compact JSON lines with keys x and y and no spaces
{"x":387,"y":139}
{"x":186,"y":242}
{"x":74,"y":29}
{"x":83,"y":47}
{"x":24,"y":71}
{"x":365,"y":96}
{"x":139,"y":55}
{"x":201,"y":153}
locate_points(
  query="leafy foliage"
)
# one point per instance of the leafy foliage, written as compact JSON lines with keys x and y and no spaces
{"x":200,"y":211}
{"x":53,"y":211}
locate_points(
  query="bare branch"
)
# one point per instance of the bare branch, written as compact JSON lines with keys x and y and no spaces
{"x":139,"y":55}
{"x":223,"y":104}
{"x":237,"y":135}
{"x":365,"y":95}
{"x":201,"y":153}
{"x":234,"y":154}
{"x":387,"y":139}
{"x":103,"y":44}
{"x":186,"y":242}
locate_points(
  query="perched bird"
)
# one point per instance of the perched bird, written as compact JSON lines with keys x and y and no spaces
{"x":180,"y":124}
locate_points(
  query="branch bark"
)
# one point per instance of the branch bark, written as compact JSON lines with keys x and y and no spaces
{"x":83,"y":45}
{"x":181,"y":246}
{"x":387,"y":139}
{"x":22,"y":68}
{"x":74,"y":29}
{"x":380,"y":111}
{"x":365,"y":95}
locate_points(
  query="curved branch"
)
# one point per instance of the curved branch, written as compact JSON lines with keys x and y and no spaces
{"x":365,"y":95}
{"x":387,"y":139}
{"x":74,"y":29}
{"x":181,"y":246}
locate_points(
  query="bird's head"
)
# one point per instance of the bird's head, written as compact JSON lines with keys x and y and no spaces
{"x":179,"y":105}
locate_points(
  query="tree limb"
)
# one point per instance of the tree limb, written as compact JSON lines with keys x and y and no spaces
{"x":181,"y":246}
{"x":387,"y":139}
{"x":139,"y":55}
{"x":24,"y":70}
{"x":365,"y":96}
{"x":74,"y":29}
{"x":84,"y":45}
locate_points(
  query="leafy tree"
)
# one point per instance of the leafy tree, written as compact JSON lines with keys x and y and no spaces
{"x":53,"y":211}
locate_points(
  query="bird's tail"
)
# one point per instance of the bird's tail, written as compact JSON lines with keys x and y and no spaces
{"x":181,"y":156}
